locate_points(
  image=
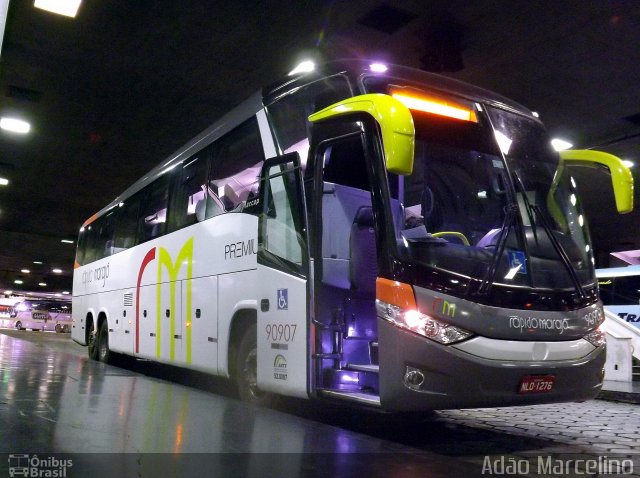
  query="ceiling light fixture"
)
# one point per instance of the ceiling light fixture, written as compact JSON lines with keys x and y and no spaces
{"x":628,"y":164}
{"x":17,"y":281}
{"x":4,"y":182}
{"x":14,"y":125}
{"x":25,"y":271}
{"x":306,"y":66}
{"x":67,"y":241}
{"x":37,"y":262}
{"x":42,"y":284}
{"x":56,"y":271}
{"x":560,"y":144}
{"x":68,"y":8}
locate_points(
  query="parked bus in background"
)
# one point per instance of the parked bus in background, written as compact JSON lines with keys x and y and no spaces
{"x":42,"y":315}
{"x":620,"y":292}
{"x":359,"y":232}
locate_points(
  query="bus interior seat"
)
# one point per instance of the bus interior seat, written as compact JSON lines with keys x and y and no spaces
{"x":363,"y":263}
{"x":206,"y":208}
{"x":339,"y":207}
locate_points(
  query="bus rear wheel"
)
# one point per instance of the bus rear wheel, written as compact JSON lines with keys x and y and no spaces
{"x":104,"y":354}
{"x":247,"y":370}
{"x":18,"y":325}
{"x":92,"y":342}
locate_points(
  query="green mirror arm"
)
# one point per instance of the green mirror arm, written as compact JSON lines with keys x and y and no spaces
{"x":621,"y":177}
{"x":396,"y":124}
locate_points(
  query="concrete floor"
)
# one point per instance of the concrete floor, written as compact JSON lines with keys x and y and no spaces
{"x":113,"y":421}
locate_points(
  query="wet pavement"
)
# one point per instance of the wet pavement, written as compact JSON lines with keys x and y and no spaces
{"x":144,"y":418}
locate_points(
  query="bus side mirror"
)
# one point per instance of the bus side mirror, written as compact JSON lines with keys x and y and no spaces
{"x":396,"y":125}
{"x":621,"y":177}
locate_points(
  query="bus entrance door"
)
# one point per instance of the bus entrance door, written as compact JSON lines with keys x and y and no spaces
{"x":282,"y":345}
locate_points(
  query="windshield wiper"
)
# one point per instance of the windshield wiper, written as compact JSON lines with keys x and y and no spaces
{"x":566,"y":261}
{"x":560,"y":250}
{"x":490,"y":275}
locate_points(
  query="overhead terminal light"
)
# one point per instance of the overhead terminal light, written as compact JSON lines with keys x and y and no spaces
{"x":4,"y":182}
{"x":17,"y":281}
{"x":306,"y":66}
{"x":68,"y":8}
{"x":25,"y":271}
{"x":378,"y":67}
{"x":56,"y":271}
{"x":560,"y":144}
{"x":14,"y":125}
{"x":37,"y":262}
{"x":628,"y":164}
{"x":42,"y":284}
{"x":67,"y":241}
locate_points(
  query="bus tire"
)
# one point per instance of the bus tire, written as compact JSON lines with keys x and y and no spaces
{"x":58,"y":328}
{"x":247,"y":372}
{"x":104,"y":354}
{"x":92,"y":342}
{"x":19,"y":325}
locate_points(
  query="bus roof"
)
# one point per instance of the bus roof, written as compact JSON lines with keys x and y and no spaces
{"x":354,"y":69}
{"x":618,"y":271}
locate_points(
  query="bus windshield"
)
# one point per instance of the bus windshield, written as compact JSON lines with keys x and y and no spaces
{"x":489,"y":199}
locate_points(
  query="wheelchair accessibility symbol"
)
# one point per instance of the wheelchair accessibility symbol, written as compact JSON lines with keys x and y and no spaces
{"x":283,"y":299}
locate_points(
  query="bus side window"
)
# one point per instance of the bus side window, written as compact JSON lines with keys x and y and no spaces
{"x":189,"y":194}
{"x":237,"y":160}
{"x":91,"y":232}
{"x":82,"y":246}
{"x":153,"y":209}
{"x":127,"y":224}
{"x":104,"y":240}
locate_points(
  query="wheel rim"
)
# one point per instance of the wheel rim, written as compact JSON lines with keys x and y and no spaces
{"x":18,"y":325}
{"x":103,"y":348}
{"x":250,"y":373}
{"x":91,"y":342}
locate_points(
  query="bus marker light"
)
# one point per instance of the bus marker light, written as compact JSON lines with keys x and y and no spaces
{"x":435,"y":106}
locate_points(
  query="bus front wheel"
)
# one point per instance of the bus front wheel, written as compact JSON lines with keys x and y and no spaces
{"x":247,"y":370}
{"x":104,"y":354}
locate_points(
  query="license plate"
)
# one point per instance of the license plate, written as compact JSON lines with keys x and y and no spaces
{"x":536,"y":384}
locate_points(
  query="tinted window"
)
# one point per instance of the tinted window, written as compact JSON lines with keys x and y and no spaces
{"x":153,"y":209}
{"x":344,"y":163}
{"x":289,"y":115}
{"x":91,"y":232}
{"x":188,"y":202}
{"x":104,"y":236}
{"x":127,"y":224}
{"x":236,"y":162}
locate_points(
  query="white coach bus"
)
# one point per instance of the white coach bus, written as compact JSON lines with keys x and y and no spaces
{"x":366,"y":233}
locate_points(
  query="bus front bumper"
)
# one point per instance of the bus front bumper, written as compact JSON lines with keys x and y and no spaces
{"x":452,"y":378}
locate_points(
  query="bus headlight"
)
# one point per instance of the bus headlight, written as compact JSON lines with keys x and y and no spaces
{"x":596,"y":337}
{"x":422,"y":324}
